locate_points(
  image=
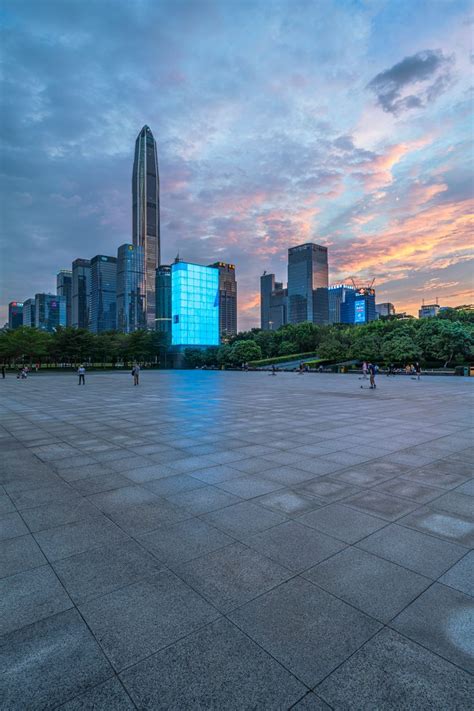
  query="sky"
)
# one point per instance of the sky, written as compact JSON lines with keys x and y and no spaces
{"x":342,"y":122}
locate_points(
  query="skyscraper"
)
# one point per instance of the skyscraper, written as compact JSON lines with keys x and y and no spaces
{"x":273,"y":303}
{"x":338,"y":295}
{"x":29,"y":313}
{"x":81,"y":293}
{"x":163,"y":301}
{"x":227,"y":299}
{"x":194,"y":305}
{"x":103,"y":293}
{"x":146,"y":215}
{"x":130,"y":300}
{"x":308,"y":284}
{"x":359,"y":306}
{"x":50,"y":311}
{"x":15,"y":314}
{"x":64,"y":288}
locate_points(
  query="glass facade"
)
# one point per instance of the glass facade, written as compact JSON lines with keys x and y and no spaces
{"x":146,"y":215}
{"x":308,"y":284}
{"x":103,"y":294}
{"x":163,"y":301}
{"x":29,"y":315}
{"x":194,"y":305}
{"x":359,"y":306}
{"x":50,"y":311}
{"x":227,"y":299}
{"x":273,"y":303}
{"x":15,"y":314}
{"x":64,"y":288}
{"x":130,"y":299}
{"x":337,"y":296}
{"x":81,"y":293}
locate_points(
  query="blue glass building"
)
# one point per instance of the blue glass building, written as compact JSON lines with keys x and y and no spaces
{"x":194,"y":305}
{"x":337,"y":296}
{"x":64,"y":288}
{"x":29,"y":313}
{"x":103,"y":294}
{"x":15,"y":314}
{"x":50,"y":311}
{"x":130,"y":296}
{"x":81,"y":293}
{"x":359,"y":306}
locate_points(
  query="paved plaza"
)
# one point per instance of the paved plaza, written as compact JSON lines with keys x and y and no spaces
{"x":225,"y":540}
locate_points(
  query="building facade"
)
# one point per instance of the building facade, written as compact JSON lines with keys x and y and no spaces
{"x":146,"y":215}
{"x":130,"y":299}
{"x":81,"y":293}
{"x":227,"y":299}
{"x":337,"y":296}
{"x":308,"y":284}
{"x":15,"y":314}
{"x":273,"y":303}
{"x":359,"y":306}
{"x":29,"y":313}
{"x":50,"y":311}
{"x":428,"y":310}
{"x":163,"y":301}
{"x":103,"y":294}
{"x":194,"y":305}
{"x":385,"y":309}
{"x":64,"y":288}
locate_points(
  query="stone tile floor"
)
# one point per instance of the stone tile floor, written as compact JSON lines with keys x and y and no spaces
{"x":216,"y":540}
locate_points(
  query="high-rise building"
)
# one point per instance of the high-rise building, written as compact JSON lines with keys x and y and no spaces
{"x":337,"y":295}
{"x":81,"y":293}
{"x":103,"y":293}
{"x":146,"y":215}
{"x":308,"y":284}
{"x":359,"y":306}
{"x":163,"y":301}
{"x":29,"y":313}
{"x":15,"y":314}
{"x":273,"y":303}
{"x":227,"y":299}
{"x":64,"y":288}
{"x":194,"y":305}
{"x":50,"y":311}
{"x":385,"y":309}
{"x":130,"y":299}
{"x":428,"y":310}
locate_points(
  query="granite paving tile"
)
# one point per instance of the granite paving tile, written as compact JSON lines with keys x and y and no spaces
{"x":11,"y":526}
{"x":47,"y":494}
{"x":288,"y":502}
{"x":455,"y":503}
{"x":58,"y":514}
{"x":253,"y":680}
{"x":407,"y":489}
{"x":329,"y":490}
{"x":72,"y":538}
{"x":442,"y":620}
{"x":391,"y":672}
{"x":452,"y":527}
{"x":202,"y":500}
{"x":304,"y":628}
{"x":135,"y":621}
{"x":374,"y":503}
{"x":248,"y":487}
{"x":99,"y":483}
{"x":342,"y":522}
{"x":108,"y":696}
{"x":18,"y":554}
{"x":461,"y":575}
{"x":244,"y":518}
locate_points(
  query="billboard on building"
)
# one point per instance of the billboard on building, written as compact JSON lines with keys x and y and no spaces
{"x":194,"y":305}
{"x":359,"y":312}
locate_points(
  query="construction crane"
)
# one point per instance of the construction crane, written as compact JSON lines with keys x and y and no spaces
{"x":358,"y":285}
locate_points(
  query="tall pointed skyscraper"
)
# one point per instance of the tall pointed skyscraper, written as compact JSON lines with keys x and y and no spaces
{"x":146,"y":215}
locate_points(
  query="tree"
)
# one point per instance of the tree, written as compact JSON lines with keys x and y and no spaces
{"x":451,"y":341}
{"x":26,"y":344}
{"x":193,"y":357}
{"x":400,"y":349}
{"x":224,"y":355}
{"x":244,"y":351}
{"x":332,"y":348}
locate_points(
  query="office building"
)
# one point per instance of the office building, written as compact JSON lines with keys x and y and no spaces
{"x":359,"y":306}
{"x":163,"y":301}
{"x":146,"y":215}
{"x":64,"y":288}
{"x":50,"y":311}
{"x":15,"y":314}
{"x":194,"y":305}
{"x":227,"y":300}
{"x":308,"y":284}
{"x":385,"y":309}
{"x":337,"y":296}
{"x":273,"y":303}
{"x":29,"y":313}
{"x":103,"y":315}
{"x":428,"y":310}
{"x":130,"y":299}
{"x":81,"y":293}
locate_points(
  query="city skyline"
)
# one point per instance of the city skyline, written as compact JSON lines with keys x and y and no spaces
{"x":296,"y":124}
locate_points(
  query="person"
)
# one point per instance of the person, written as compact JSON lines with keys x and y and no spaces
{"x":3,"y":372}
{"x":418,"y":370}
{"x":372,"y":372}
{"x":320,"y":369}
{"x":274,"y":369}
{"x":301,"y":368}
{"x":81,"y":371}
{"x":365,"y":368}
{"x":136,"y":374}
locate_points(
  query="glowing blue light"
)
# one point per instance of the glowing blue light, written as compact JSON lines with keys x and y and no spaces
{"x":359,"y":312}
{"x":194,"y":305}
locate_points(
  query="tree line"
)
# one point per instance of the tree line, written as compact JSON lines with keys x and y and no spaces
{"x":77,"y":345}
{"x":446,"y":339}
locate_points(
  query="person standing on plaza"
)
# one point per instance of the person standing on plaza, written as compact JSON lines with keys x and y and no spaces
{"x":365,"y":368}
{"x":372,"y":372}
{"x":3,"y":372}
{"x":136,"y":374}
{"x":418,"y":370}
{"x":81,"y":371}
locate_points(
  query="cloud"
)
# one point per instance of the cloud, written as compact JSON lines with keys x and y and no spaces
{"x":414,"y":82}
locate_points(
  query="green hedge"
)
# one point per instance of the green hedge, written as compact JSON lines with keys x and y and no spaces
{"x":280,"y":359}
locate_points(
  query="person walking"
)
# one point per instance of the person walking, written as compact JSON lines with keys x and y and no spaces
{"x":136,"y":374}
{"x":372,"y":372}
{"x":81,"y":371}
{"x":365,"y":368}
{"x":418,"y":370}
{"x":3,"y":372}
